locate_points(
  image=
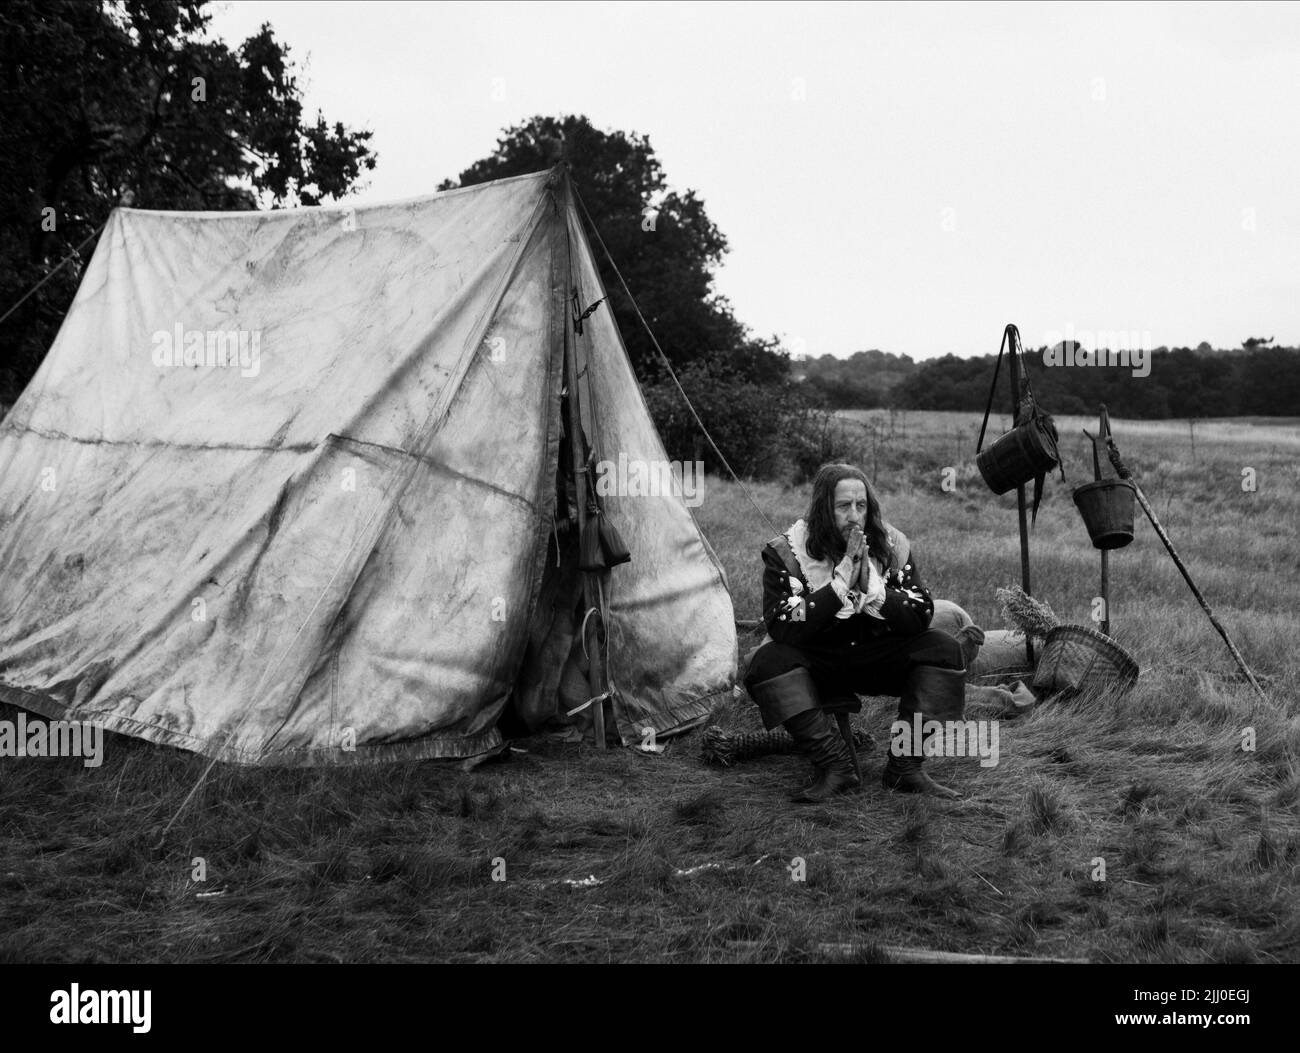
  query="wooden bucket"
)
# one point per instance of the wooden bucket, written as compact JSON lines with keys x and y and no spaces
{"x":1017,"y":457}
{"x":1107,"y":509}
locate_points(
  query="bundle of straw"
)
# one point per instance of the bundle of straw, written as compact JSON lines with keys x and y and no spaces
{"x":720,"y":747}
{"x":1025,"y":614}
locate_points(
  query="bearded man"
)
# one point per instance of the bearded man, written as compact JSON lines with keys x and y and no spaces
{"x":848,"y":614}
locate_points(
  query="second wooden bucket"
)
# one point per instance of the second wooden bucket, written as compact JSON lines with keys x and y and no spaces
{"x":1107,"y":510}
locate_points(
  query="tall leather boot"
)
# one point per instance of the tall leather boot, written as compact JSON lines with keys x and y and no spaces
{"x":817,"y":738}
{"x":936,"y":694}
{"x":791,"y":699}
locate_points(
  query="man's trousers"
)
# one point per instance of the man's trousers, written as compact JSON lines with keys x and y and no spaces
{"x":867,"y":666}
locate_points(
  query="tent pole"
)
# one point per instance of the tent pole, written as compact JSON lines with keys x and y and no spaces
{"x":1013,"y":340}
{"x":1105,"y":592}
{"x":578,"y":458}
{"x":590,"y":596}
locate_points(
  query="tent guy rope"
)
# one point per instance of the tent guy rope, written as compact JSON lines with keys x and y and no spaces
{"x":668,"y":365}
{"x":57,"y":267}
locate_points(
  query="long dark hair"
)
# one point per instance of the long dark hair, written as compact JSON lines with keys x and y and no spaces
{"x":824,"y":541}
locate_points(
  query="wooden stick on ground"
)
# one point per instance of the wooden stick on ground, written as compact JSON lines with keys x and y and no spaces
{"x":919,"y":955}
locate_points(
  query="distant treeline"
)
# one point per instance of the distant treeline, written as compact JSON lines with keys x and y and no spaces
{"x":1257,"y":380}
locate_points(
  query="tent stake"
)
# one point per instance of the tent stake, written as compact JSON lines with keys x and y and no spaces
{"x":1125,"y":473}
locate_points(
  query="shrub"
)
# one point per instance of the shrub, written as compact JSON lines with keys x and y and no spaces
{"x":748,"y":421}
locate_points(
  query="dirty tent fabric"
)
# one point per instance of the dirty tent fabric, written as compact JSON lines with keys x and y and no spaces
{"x":333,"y":536}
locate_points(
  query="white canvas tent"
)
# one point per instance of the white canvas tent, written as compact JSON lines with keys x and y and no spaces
{"x":297,"y":487}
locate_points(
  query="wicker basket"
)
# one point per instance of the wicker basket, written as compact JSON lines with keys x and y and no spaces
{"x":1075,"y":655}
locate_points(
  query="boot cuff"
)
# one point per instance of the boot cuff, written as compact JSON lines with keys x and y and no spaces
{"x":784,"y":696}
{"x":937,"y":694}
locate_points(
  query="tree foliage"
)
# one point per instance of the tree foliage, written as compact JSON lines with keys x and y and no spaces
{"x":133,"y":96}
{"x":1183,"y":382}
{"x":863,"y":380}
{"x":663,"y":241}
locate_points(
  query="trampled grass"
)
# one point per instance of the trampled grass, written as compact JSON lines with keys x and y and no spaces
{"x":619,"y":856}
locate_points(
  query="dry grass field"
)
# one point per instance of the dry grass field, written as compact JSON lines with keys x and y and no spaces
{"x":619,"y":856}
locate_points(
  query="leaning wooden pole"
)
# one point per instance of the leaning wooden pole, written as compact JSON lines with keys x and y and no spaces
{"x":1125,"y":473}
{"x":1012,"y":335}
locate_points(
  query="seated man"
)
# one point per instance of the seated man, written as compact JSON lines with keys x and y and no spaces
{"x":848,"y":614}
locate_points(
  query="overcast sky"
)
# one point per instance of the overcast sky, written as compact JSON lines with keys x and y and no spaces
{"x":908,"y":177}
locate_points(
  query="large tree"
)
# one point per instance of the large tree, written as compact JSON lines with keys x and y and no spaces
{"x":663,"y":241}
{"x":101,"y":98}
